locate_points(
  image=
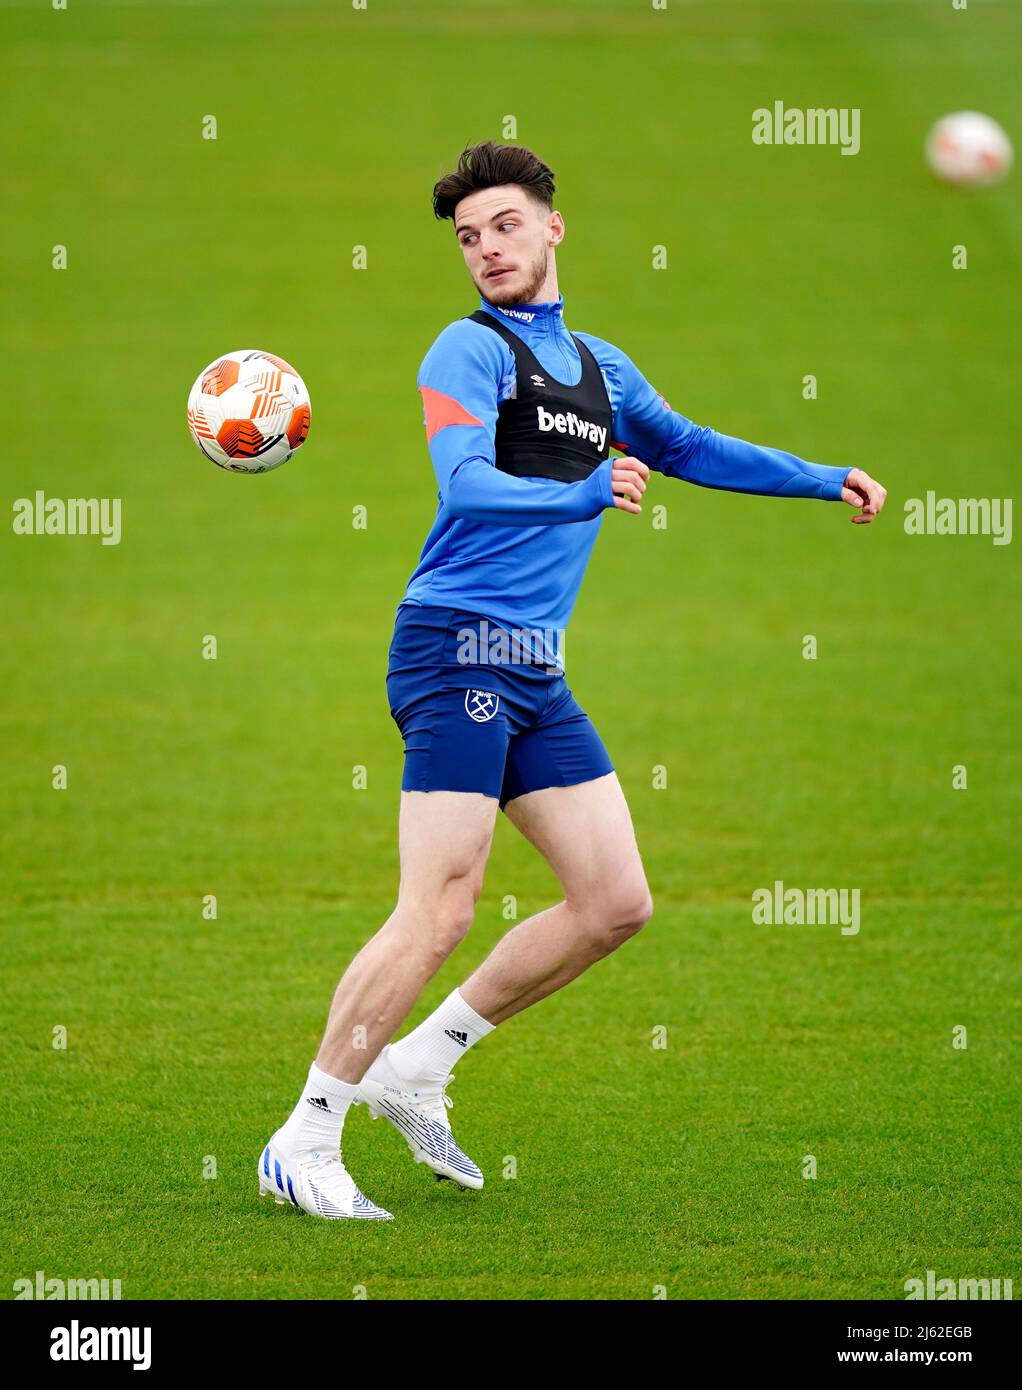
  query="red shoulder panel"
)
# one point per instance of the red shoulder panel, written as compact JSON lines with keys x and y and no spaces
{"x":442,"y":411}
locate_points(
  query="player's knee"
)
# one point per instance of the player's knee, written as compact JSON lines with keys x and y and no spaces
{"x":618,"y":914}
{"x":634,"y":909}
{"x":630,"y":911}
{"x":453,"y":914}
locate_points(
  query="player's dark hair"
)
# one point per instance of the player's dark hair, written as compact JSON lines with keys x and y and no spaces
{"x":488,"y":165}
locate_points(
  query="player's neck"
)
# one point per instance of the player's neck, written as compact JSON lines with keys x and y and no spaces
{"x":548,"y":293}
{"x":545,"y":302}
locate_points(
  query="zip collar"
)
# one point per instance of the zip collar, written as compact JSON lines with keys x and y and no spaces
{"x":545,"y":318}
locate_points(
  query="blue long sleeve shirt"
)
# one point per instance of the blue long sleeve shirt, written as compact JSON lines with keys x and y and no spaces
{"x":514,"y":549}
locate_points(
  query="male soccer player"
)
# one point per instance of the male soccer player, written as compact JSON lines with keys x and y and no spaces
{"x":520,"y":416}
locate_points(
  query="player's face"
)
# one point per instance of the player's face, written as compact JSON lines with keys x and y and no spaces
{"x":505,"y":237}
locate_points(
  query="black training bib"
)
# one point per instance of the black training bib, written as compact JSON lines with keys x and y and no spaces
{"x":549,"y":429}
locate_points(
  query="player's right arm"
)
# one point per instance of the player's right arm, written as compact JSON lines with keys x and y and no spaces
{"x":679,"y":448}
{"x":459,"y":382}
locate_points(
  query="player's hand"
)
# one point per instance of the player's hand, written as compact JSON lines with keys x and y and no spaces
{"x":866,"y":494}
{"x":628,"y":483}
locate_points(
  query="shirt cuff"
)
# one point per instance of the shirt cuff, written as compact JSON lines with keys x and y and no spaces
{"x":833,"y":479}
{"x":606,"y":490}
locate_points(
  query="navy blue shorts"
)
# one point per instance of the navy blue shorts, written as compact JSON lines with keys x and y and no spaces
{"x":500,"y":727}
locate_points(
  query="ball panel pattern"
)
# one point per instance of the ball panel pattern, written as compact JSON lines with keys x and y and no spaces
{"x":279,"y":362}
{"x":217,"y":378}
{"x":298,"y":426}
{"x":240,"y":439}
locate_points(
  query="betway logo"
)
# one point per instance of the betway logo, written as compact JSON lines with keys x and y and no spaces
{"x":518,"y":314}
{"x":573,"y":425}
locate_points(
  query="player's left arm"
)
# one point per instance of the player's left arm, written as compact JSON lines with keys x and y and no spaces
{"x":647,"y":427}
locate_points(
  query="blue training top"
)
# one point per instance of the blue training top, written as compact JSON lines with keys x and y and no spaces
{"x":514,"y":549}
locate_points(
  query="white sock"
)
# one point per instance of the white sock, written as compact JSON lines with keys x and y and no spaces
{"x":430,"y":1051}
{"x":318,"y":1118}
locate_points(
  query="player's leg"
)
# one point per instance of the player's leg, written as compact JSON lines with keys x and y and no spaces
{"x":442,"y":868}
{"x":585,"y":833}
{"x":444,"y":842}
{"x":560,"y":790}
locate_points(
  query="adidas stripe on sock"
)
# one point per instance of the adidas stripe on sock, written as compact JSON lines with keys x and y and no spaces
{"x":318,"y":1118}
{"x":430,"y":1051}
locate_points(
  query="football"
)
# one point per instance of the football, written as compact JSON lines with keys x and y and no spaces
{"x":968,"y":148}
{"x":249,"y":411}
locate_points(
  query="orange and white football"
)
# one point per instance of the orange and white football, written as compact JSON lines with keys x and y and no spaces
{"x":249,"y":411}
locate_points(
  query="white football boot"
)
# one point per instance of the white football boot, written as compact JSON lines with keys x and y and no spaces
{"x":420,"y":1116}
{"x":315,"y":1182}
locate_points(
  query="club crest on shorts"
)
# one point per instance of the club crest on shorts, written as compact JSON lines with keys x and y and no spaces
{"x":481,"y":705}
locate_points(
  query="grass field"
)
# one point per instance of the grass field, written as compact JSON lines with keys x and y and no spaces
{"x":188,"y":1038}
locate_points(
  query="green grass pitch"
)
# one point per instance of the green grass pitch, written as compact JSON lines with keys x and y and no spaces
{"x":187,"y":1039}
